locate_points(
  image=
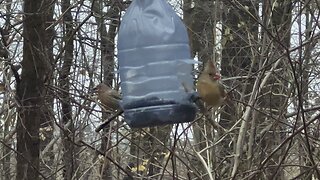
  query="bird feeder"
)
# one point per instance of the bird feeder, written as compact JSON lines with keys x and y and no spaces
{"x":155,"y":66}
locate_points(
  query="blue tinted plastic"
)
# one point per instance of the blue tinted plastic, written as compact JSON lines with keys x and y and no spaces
{"x":155,"y":65}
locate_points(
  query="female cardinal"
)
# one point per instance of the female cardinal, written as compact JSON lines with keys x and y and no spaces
{"x":210,"y":90}
{"x":108,"y":97}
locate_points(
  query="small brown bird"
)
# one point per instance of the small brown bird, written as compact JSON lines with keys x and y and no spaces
{"x":108,"y":97}
{"x":210,"y":90}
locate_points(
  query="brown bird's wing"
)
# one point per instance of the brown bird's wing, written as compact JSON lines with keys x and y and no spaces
{"x":109,"y":101}
{"x":115,"y":94}
{"x":209,"y":92}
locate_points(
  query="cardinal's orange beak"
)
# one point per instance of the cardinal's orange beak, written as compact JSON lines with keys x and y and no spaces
{"x":217,"y":76}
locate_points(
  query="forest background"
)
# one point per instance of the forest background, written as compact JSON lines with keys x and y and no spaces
{"x":53,"y":52}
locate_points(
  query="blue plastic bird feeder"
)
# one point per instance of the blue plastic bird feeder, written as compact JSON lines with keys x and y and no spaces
{"x":155,"y":66}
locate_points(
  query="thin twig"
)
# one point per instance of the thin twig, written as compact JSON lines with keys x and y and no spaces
{"x":106,"y":122}
{"x":109,"y":158}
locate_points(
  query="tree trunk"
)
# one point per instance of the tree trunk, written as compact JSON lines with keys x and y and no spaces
{"x":240,"y":33}
{"x":70,"y":156}
{"x":107,"y":66}
{"x":47,"y":120}
{"x":30,"y":90}
{"x":273,"y":100}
